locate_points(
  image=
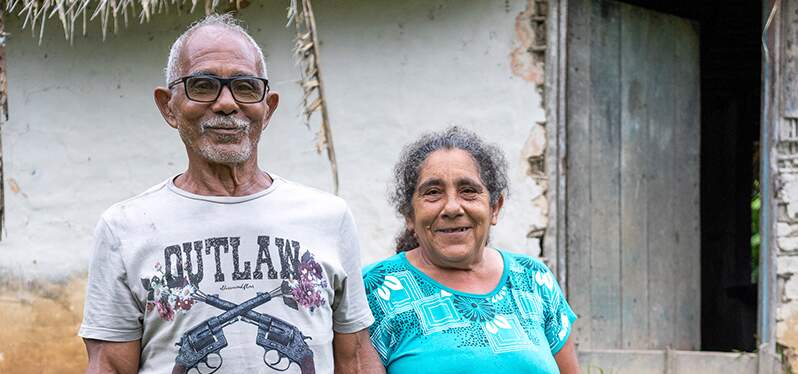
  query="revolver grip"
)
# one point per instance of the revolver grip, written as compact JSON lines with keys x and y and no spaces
{"x":306,"y":364}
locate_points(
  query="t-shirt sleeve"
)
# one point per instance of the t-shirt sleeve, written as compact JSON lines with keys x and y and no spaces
{"x":351,"y":312}
{"x":110,"y":311}
{"x":557,"y":314}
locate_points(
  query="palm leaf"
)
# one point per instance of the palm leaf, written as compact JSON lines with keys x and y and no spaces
{"x":300,"y":12}
{"x":108,"y":12}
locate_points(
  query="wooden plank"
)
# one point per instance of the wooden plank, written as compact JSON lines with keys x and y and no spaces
{"x":621,"y":362}
{"x":604,"y":154}
{"x":659,"y":170}
{"x":788,"y":90}
{"x":714,"y":362}
{"x":685,"y":185}
{"x":635,"y":61}
{"x":654,"y":362}
{"x":578,"y":163}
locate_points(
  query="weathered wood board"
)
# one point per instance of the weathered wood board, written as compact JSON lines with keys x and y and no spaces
{"x":666,"y":362}
{"x":632,"y":179}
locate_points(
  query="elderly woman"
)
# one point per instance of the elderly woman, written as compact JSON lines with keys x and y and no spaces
{"x":447,"y":302}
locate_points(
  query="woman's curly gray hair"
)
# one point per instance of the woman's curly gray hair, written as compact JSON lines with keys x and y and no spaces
{"x":489,"y":159}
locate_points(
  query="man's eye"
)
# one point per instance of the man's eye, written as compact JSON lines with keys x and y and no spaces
{"x":431,"y":192}
{"x":201,"y":85}
{"x":244,"y":87}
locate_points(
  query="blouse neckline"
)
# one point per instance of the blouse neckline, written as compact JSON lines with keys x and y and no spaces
{"x":424,"y":276}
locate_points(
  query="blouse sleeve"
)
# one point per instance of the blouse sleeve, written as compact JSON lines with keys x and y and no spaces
{"x":557,"y":314}
{"x":380,"y":331}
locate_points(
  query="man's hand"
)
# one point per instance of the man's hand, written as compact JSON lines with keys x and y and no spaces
{"x":113,"y":357}
{"x":353,"y":353}
{"x":566,"y":358}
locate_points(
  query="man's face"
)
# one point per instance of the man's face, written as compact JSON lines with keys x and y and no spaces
{"x":223,"y":131}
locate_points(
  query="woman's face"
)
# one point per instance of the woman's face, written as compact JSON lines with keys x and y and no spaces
{"x":452,"y":212}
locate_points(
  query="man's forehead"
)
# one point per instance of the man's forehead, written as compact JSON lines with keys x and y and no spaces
{"x":211,"y":46}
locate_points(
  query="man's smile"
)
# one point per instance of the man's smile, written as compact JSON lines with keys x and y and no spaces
{"x":225,"y":130}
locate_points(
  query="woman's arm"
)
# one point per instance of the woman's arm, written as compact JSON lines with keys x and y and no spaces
{"x":566,"y":358}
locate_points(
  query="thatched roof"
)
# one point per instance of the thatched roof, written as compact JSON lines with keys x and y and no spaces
{"x":110,"y":13}
{"x":75,"y":14}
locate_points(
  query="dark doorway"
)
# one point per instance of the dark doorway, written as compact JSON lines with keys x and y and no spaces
{"x":730,"y":108}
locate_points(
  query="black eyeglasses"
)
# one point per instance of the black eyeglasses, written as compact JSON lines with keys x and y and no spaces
{"x":207,"y":88}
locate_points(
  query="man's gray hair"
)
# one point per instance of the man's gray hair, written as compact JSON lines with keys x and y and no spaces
{"x":227,"y":21}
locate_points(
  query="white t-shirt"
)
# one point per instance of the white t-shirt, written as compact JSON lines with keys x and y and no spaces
{"x":168,"y":265}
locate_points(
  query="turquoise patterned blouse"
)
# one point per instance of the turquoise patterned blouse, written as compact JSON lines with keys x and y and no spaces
{"x":422,"y":326}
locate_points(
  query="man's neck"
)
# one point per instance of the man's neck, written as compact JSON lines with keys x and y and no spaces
{"x":212,"y":179}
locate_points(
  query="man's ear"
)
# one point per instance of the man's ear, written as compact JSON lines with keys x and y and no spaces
{"x":494,"y":210}
{"x":272,"y":99}
{"x":162,"y":97}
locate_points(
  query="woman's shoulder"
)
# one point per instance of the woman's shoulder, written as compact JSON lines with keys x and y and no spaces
{"x":380,"y":266}
{"x":527,"y":262}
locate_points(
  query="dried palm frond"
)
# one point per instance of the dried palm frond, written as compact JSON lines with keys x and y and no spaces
{"x":307,"y":53}
{"x":36,"y":12}
{"x":3,"y":116}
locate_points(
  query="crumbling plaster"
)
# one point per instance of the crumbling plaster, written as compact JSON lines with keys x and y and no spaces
{"x":787,"y":267}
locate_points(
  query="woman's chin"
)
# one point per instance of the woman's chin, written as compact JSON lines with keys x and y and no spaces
{"x":455,"y":254}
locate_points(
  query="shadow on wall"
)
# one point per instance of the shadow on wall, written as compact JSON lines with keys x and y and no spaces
{"x":39,"y":327}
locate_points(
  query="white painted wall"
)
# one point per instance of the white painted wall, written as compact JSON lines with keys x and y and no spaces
{"x":84,"y":133}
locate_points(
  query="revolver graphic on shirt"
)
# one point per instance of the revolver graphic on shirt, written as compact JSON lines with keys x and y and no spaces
{"x":275,"y":335}
{"x":202,"y":343}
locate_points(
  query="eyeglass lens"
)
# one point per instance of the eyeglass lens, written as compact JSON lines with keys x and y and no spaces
{"x":245,"y":90}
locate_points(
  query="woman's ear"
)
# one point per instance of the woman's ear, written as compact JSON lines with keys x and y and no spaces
{"x":494,"y":210}
{"x":409,"y":225}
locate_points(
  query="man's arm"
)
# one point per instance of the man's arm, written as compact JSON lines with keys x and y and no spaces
{"x":353,"y":353}
{"x":113,"y":357}
{"x":566,"y":358}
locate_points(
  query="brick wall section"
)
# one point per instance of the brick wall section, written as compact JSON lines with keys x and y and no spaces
{"x":787,"y":267}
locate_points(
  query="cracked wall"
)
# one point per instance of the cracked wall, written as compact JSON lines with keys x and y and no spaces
{"x":787,"y":267}
{"x":528,"y":60}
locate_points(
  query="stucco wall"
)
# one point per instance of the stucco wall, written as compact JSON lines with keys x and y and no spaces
{"x":84,"y":133}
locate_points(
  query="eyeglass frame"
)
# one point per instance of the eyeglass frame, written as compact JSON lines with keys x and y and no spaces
{"x":223,"y":82}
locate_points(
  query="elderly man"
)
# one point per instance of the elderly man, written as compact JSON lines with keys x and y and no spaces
{"x":225,"y":266}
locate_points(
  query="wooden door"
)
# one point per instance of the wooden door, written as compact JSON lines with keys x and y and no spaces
{"x":632,"y":179}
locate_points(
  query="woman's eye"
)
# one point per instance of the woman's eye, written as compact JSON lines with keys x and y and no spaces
{"x":431,"y":192}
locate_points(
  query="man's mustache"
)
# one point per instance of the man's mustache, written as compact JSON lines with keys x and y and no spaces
{"x":223,"y":122}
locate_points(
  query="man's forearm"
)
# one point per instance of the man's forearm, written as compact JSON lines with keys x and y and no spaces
{"x":354,"y":353}
{"x":113,"y":357}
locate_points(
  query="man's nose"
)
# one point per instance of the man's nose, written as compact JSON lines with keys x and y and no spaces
{"x":225,"y":103}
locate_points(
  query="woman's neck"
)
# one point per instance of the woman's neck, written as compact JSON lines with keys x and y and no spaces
{"x":478,"y":276}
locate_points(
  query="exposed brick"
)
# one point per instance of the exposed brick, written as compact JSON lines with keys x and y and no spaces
{"x":786,"y":310}
{"x":788,"y":244}
{"x":787,"y":264}
{"x":784,"y":229}
{"x":791,"y":288}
